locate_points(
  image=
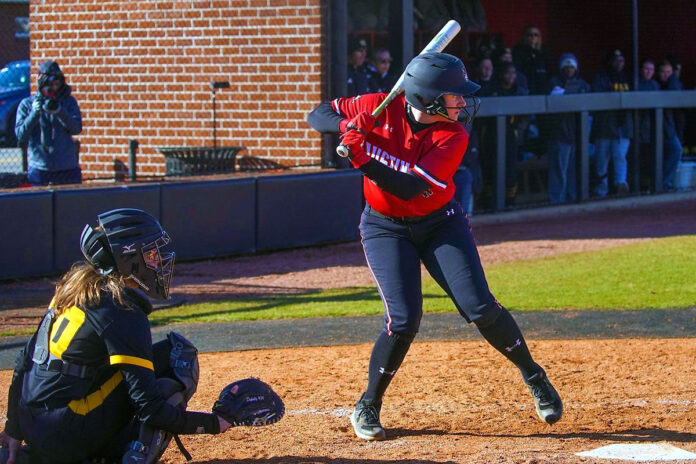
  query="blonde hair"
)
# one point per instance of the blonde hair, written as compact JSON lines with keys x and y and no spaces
{"x":82,"y":286}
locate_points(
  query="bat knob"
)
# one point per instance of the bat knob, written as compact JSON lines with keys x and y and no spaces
{"x":343,"y":151}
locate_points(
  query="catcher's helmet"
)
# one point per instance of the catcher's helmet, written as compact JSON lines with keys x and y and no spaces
{"x":430,"y":76}
{"x":130,"y":243}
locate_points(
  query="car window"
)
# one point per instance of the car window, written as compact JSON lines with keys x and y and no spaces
{"x":14,"y":76}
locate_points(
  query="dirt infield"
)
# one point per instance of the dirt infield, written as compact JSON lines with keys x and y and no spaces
{"x":455,"y":402}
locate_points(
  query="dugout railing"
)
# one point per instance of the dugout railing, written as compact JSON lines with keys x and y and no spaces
{"x":500,"y":108}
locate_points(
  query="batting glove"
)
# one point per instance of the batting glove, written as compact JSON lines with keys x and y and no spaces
{"x":354,"y":140}
{"x":363,"y":122}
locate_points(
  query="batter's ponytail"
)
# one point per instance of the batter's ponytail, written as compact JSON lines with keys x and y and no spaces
{"x":82,"y":285}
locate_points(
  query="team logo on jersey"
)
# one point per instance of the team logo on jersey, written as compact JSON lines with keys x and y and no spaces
{"x":449,"y":212}
{"x":427,"y":193}
{"x":386,"y":159}
{"x":388,"y":128}
{"x":127,"y":249}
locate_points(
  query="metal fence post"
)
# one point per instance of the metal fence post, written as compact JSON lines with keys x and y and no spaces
{"x":500,"y":163}
{"x":584,"y":158}
{"x":659,"y":147}
{"x":132,"y":147}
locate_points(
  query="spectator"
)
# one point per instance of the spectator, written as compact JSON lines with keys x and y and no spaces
{"x":678,"y":113}
{"x":45,"y":125}
{"x":484,"y":75}
{"x":504,"y":55}
{"x":646,"y":83}
{"x":358,"y":75}
{"x":563,"y":132}
{"x":531,"y":58}
{"x":505,"y":85}
{"x":668,"y":80}
{"x":467,"y":179}
{"x":381,"y":79}
{"x":611,"y":130}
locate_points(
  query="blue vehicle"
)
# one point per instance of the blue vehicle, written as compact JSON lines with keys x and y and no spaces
{"x":14,"y":87}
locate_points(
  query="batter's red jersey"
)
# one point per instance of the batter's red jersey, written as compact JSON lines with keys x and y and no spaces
{"x":433,"y":154}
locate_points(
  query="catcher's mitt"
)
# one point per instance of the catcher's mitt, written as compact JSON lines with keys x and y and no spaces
{"x":249,"y":402}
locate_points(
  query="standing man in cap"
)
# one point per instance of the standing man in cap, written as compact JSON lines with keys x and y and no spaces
{"x":358,"y":74}
{"x":563,"y":139}
{"x":46,"y":124}
{"x":612,"y":131}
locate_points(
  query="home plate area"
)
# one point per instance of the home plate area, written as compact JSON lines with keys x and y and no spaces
{"x":640,"y":452}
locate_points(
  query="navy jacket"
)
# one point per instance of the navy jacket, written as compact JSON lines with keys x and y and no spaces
{"x":563,"y":127}
{"x":645,"y":121}
{"x":611,"y":124}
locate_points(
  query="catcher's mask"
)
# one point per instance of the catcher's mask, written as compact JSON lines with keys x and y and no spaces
{"x":131,"y":243}
{"x":50,"y":72}
{"x":430,"y":76}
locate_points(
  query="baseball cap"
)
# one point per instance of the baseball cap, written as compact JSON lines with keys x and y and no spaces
{"x":568,"y":59}
{"x":357,"y":43}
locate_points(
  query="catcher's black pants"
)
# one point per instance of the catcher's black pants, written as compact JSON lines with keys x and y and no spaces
{"x":443,"y":241}
{"x":104,"y":432}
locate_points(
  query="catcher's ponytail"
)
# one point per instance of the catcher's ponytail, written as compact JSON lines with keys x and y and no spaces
{"x":82,"y":286}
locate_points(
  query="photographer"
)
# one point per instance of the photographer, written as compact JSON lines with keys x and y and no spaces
{"x":46,"y":124}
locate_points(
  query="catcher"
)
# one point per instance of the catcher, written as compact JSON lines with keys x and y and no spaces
{"x":90,"y":385}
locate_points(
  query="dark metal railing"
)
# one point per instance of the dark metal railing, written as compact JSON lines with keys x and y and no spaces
{"x":502,"y":107}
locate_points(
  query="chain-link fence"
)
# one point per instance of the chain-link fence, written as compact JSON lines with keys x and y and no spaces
{"x":14,"y":86}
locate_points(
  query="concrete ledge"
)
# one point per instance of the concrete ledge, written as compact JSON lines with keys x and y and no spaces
{"x":565,"y":209}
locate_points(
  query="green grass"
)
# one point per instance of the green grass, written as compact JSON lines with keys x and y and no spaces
{"x":10,"y":333}
{"x":659,"y":273}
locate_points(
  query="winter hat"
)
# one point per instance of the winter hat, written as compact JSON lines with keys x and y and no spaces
{"x":568,"y":59}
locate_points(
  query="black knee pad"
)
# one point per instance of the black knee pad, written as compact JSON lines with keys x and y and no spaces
{"x":488,"y":315}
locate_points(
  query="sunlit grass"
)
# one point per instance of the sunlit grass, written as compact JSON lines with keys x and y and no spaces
{"x":660,"y":273}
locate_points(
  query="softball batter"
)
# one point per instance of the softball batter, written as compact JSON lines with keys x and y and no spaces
{"x":408,"y":158}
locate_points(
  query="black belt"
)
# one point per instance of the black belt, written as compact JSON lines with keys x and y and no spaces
{"x":68,"y":368}
{"x":449,"y":209}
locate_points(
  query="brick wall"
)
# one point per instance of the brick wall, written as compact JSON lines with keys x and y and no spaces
{"x":141,"y":70}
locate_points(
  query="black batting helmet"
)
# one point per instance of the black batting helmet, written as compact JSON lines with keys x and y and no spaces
{"x":130,"y":243}
{"x":430,"y":76}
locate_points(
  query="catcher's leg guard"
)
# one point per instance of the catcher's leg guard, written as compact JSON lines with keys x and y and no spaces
{"x":152,"y":443}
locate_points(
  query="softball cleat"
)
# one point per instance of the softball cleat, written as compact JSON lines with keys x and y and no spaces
{"x":365,"y":420}
{"x":549,"y":406}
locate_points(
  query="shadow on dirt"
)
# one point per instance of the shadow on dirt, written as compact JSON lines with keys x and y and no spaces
{"x":641,"y":435}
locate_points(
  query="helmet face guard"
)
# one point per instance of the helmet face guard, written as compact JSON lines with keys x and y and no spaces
{"x":131,"y":243}
{"x":159,"y":261}
{"x":467,"y":112}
